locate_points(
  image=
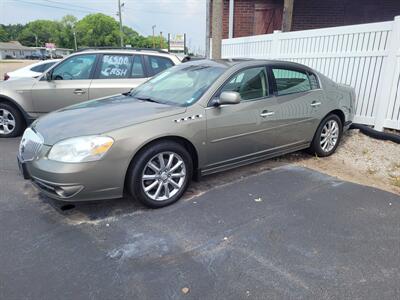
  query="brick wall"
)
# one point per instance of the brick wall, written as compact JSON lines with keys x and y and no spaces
{"x":309,"y":14}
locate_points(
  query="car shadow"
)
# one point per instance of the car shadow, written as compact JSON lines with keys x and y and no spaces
{"x":97,"y":211}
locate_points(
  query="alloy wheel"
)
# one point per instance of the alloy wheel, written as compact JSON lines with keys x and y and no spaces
{"x":163,"y":176}
{"x":7,"y":121}
{"x":329,"y":135}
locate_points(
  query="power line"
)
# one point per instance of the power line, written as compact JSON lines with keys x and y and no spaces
{"x":53,"y":6}
{"x":74,"y":5}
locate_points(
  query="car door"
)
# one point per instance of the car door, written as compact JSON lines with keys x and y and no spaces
{"x":117,"y":73}
{"x":289,"y":118}
{"x":68,"y":83}
{"x":234,"y":132}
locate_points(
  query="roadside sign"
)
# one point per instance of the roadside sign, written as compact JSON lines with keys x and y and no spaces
{"x":50,"y":45}
{"x":176,"y":42}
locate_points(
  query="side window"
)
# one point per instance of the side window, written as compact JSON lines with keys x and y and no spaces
{"x":115,"y":66}
{"x":290,"y":81}
{"x":75,"y":68}
{"x":250,"y":84}
{"x":137,"y":67}
{"x":39,"y":69}
{"x":159,"y":64}
{"x":313,"y":81}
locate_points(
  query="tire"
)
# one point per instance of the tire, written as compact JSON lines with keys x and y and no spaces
{"x":321,"y":148}
{"x":12,"y":123}
{"x":141,"y":167}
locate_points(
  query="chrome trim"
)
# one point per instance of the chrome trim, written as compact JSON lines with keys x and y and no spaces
{"x":188,"y":118}
{"x":315,"y":104}
{"x":30,"y":145}
{"x":266,"y":114}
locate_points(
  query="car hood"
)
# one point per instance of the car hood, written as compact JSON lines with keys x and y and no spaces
{"x":100,"y":116}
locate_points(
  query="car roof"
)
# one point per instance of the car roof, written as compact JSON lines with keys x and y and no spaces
{"x":157,"y":52}
{"x":244,"y":62}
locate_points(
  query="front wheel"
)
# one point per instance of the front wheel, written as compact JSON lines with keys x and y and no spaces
{"x":11,"y":121}
{"x":327,"y":136}
{"x":160,"y":174}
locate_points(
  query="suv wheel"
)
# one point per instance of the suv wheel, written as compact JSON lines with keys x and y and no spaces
{"x":160,"y":174}
{"x":328,"y":136}
{"x":11,"y":121}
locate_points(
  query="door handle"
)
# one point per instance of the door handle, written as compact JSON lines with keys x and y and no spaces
{"x":267,"y":113}
{"x":315,"y":103}
{"x":79,"y":92}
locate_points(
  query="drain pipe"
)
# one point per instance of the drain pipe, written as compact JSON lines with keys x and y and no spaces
{"x":385,"y":136}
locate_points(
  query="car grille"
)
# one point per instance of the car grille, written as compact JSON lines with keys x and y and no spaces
{"x":30,"y":145}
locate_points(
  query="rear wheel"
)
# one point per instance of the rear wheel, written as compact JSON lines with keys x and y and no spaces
{"x":160,"y":174}
{"x":11,"y":121}
{"x":327,"y":137}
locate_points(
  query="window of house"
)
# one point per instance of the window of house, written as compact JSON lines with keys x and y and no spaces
{"x":290,"y":81}
{"x":250,"y":84}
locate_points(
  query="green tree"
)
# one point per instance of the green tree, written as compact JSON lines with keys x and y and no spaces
{"x":66,"y":37}
{"x":45,"y":30}
{"x":97,"y":30}
{"x":3,"y":34}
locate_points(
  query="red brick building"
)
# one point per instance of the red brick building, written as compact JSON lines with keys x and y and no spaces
{"x":252,"y":17}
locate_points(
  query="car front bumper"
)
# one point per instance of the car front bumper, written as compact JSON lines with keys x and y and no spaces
{"x":97,"y":180}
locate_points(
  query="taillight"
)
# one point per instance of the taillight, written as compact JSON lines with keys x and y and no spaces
{"x":6,"y":76}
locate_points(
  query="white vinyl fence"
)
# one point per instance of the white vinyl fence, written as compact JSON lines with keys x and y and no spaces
{"x":366,"y":56}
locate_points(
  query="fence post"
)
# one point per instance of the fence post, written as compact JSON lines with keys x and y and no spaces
{"x":275,"y":44}
{"x":387,"y":80}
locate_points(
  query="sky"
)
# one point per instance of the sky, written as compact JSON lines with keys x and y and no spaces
{"x":169,"y":16}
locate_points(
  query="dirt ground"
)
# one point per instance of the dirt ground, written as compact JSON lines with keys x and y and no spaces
{"x":358,"y":159}
{"x":12,"y":65}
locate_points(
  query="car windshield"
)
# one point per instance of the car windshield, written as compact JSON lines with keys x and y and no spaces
{"x":180,"y":85}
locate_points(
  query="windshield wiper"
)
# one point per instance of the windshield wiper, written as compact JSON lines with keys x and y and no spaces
{"x":148,"y":99}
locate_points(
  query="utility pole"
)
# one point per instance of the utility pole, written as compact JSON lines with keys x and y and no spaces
{"x":287,"y":15}
{"x":154,"y":41}
{"x":120,"y":22}
{"x":75,"y":43}
{"x":207,"y":53}
{"x":161,"y":39}
{"x":36,"y":40}
{"x":217,"y":10}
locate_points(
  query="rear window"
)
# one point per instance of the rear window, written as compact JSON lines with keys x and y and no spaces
{"x":115,"y":66}
{"x":291,"y":81}
{"x":158,"y":64}
{"x":313,"y":81}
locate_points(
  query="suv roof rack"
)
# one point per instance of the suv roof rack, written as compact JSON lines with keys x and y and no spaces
{"x":122,"y":48}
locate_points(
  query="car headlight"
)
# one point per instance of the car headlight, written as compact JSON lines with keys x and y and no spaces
{"x":81,"y":149}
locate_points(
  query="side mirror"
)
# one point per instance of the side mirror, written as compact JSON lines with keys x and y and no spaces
{"x":47,"y":76}
{"x":229,"y":98}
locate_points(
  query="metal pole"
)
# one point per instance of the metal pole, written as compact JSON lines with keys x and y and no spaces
{"x":161,"y":38}
{"x":76,"y":44}
{"x":231,"y":17}
{"x":36,"y":40}
{"x":207,"y":52}
{"x":217,"y":10}
{"x":120,"y":23}
{"x":154,"y":41}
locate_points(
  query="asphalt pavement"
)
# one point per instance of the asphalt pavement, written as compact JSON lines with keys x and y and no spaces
{"x":285,"y":233}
